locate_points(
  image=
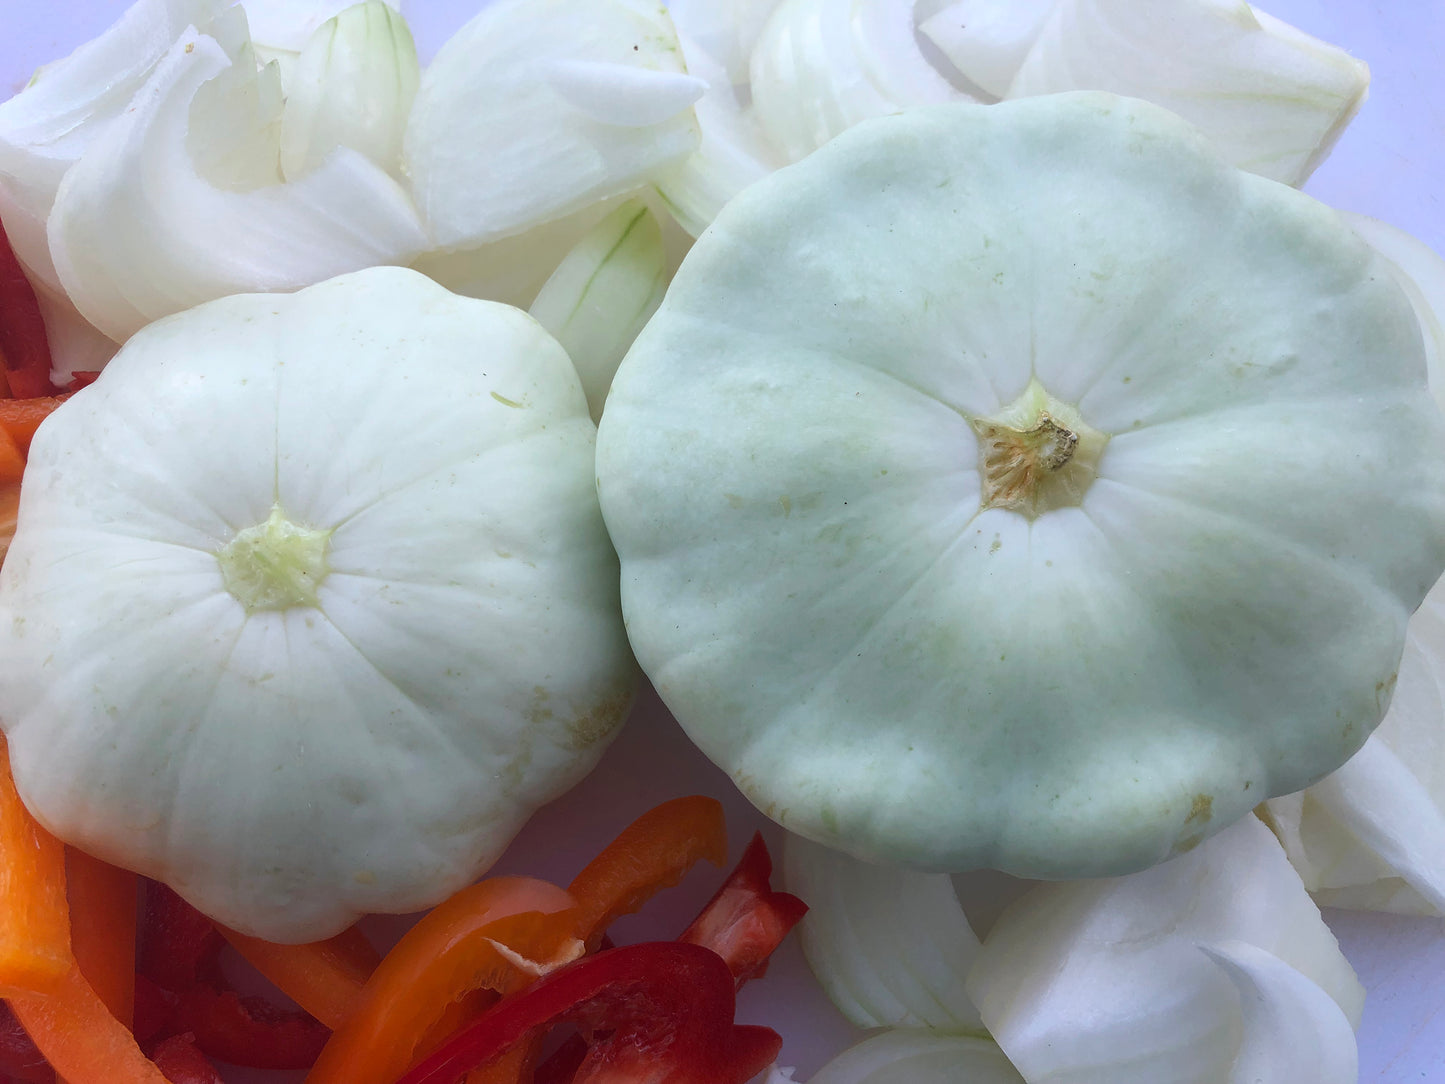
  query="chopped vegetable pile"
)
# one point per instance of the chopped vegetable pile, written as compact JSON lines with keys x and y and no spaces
{"x":1007,"y":470}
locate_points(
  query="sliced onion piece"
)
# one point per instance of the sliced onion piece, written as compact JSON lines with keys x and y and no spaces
{"x":602,"y":294}
{"x":726,"y":30}
{"x":1272,"y":98}
{"x":537,"y":108}
{"x":352,"y":86}
{"x":515,"y":268}
{"x":919,"y":1057}
{"x":137,"y":233}
{"x":75,"y":345}
{"x":987,"y":40}
{"x":47,"y":126}
{"x":890,"y":947}
{"x":733,"y":154}
{"x":821,"y":66}
{"x":1293,"y":1032}
{"x":281,"y":28}
{"x":1102,"y":980}
{"x":1371,"y":836}
{"x":234,"y":138}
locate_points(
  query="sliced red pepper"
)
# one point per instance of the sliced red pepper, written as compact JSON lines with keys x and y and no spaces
{"x":747,"y":919}
{"x":470,"y":941}
{"x":743,"y":923}
{"x":182,"y":1062}
{"x":20,"y":1059}
{"x":667,"y":1009}
{"x":180,"y":953}
{"x":24,"y":349}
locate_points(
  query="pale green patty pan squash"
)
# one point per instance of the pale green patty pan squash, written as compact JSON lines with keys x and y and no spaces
{"x":310,"y":603}
{"x":1021,"y":486}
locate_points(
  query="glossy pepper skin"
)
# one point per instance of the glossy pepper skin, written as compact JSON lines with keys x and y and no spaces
{"x":179,"y":953}
{"x":666,"y":1008}
{"x":24,"y":349}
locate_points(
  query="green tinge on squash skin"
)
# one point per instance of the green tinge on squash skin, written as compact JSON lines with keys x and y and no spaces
{"x":788,"y":467}
{"x":348,"y":616}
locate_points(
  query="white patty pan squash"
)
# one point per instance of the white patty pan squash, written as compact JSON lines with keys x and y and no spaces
{"x":310,"y":604}
{"x":1022,"y":486}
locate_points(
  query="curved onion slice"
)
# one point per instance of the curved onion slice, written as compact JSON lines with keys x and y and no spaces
{"x":733,"y":153}
{"x":280,"y":29}
{"x":1293,"y":1033}
{"x":75,"y":345}
{"x":821,"y":66}
{"x":1102,"y":980}
{"x":987,"y":40}
{"x":726,"y":30}
{"x":919,"y":1057}
{"x":890,"y":947}
{"x":47,"y":126}
{"x":603,"y":293}
{"x":536,"y":108}
{"x":1371,"y":836}
{"x":515,"y":268}
{"x":352,"y":86}
{"x":1272,"y":98}
{"x":137,"y":233}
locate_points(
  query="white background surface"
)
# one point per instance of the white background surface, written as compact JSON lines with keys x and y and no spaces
{"x":1390,"y":164}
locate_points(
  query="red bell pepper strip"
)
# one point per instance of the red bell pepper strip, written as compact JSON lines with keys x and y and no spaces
{"x":746,"y":920}
{"x":667,"y":1009}
{"x":24,"y":349}
{"x":652,"y":853}
{"x":20,"y":1059}
{"x":182,"y":1062}
{"x":180,"y":953}
{"x":469,"y":941}
{"x":743,"y":923}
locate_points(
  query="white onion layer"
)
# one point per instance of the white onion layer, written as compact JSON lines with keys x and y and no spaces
{"x":919,"y":1057}
{"x":603,"y":293}
{"x":987,"y":40}
{"x":352,"y":86}
{"x":733,"y":153}
{"x":137,"y":233}
{"x":821,"y":66}
{"x":1272,"y":98}
{"x":1293,"y":1032}
{"x":47,"y":126}
{"x":890,"y":947}
{"x":1102,"y":981}
{"x":537,"y":108}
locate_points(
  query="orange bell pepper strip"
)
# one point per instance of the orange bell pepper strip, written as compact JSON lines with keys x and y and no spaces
{"x":102,"y":928}
{"x":80,"y":1038}
{"x":12,"y":467}
{"x":50,"y":997}
{"x":34,"y":921}
{"x":325,"y":978}
{"x":476,"y":938}
{"x":21,"y":417}
{"x":652,"y":853}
